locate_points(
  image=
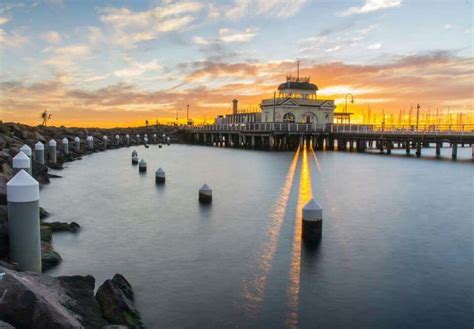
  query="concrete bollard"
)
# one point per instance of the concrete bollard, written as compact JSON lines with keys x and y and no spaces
{"x":27,"y":150}
{"x":168,"y":140}
{"x":52,"y":151}
{"x":127,"y":138}
{"x":160,"y":176}
{"x":134,"y":153}
{"x":117,"y":140}
{"x":155,"y":138}
{"x":145,"y":140}
{"x":65,"y":143}
{"x":24,"y":222}
{"x":312,"y":221}
{"x":105,"y":139}
{"x":205,"y":194}
{"x":138,"y":138}
{"x":77,"y":144}
{"x":21,"y":162}
{"x":134,"y":159}
{"x":142,"y":166}
{"x":90,"y":142}
{"x":39,"y":152}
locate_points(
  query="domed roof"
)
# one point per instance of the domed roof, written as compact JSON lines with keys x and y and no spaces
{"x":302,"y":85}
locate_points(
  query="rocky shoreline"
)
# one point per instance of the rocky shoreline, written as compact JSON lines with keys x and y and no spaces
{"x":32,"y":300}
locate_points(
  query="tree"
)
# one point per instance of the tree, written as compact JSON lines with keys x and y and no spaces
{"x":146,"y":123}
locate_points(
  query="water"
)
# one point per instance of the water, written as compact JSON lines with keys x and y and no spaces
{"x":396,"y":252}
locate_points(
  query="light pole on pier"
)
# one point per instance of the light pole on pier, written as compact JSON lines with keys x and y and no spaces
{"x":274,"y":101}
{"x":187,"y":114}
{"x":417,"y":115}
{"x":352,"y":101}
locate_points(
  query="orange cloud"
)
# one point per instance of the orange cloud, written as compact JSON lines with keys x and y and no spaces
{"x":435,"y":80}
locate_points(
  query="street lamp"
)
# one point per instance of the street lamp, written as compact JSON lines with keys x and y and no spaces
{"x":177,"y":110}
{"x":352,"y":101}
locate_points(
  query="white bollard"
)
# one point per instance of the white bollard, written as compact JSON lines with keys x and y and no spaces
{"x":168,"y":140}
{"x":127,"y":137}
{"x":77,"y":144}
{"x":65,"y":145}
{"x":142,"y":166}
{"x":145,"y":140}
{"x":160,"y":176}
{"x":117,"y":140}
{"x":52,"y":151}
{"x":155,"y":138}
{"x":21,"y":161}
{"x":27,"y":150}
{"x":138,"y":139}
{"x":312,"y":221}
{"x":24,"y":222}
{"x":39,"y":152}
{"x":205,"y":194}
{"x":134,"y":159}
{"x":105,"y":139}
{"x":90,"y":142}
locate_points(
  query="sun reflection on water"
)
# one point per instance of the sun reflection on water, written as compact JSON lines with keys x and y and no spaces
{"x":305,"y":194}
{"x":253,"y":289}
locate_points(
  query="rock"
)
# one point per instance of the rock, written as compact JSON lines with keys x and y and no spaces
{"x":3,"y":190}
{"x":40,"y":172}
{"x":4,"y":325}
{"x":11,"y":266}
{"x":63,"y":227}
{"x":46,"y":233}
{"x":115,"y":299}
{"x":43,"y":213}
{"x":49,"y":257}
{"x":7,"y":171}
{"x":38,"y":301}
{"x":4,"y":243}
{"x":113,"y":326}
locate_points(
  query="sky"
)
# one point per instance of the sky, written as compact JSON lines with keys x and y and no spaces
{"x":119,"y":63}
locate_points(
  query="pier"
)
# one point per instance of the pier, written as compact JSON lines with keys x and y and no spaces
{"x":342,"y":137}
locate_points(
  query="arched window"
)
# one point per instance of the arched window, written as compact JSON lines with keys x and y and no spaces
{"x":309,"y":117}
{"x":289,"y":117}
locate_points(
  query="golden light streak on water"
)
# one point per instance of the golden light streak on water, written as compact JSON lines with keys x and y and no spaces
{"x":315,"y":159}
{"x":253,"y":289}
{"x":305,"y":194}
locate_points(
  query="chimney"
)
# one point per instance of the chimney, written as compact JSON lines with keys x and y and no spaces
{"x":234,"y":106}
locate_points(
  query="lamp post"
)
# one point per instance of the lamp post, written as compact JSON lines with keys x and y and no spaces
{"x":274,"y":101}
{"x":417,"y":115}
{"x":177,"y":120}
{"x":345,"y":107}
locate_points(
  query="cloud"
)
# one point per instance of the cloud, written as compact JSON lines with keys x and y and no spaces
{"x":371,"y":6}
{"x":200,"y":41}
{"x":12,"y":40}
{"x":51,"y":37}
{"x":135,"y":69}
{"x":270,"y":8}
{"x":231,"y":36}
{"x":132,"y":28}
{"x":436,"y":79}
{"x":4,"y":20}
{"x":375,"y":46}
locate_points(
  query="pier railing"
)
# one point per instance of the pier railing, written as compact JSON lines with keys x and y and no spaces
{"x":458,"y":129}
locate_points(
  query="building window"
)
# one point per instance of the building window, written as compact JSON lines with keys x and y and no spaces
{"x":309,"y":117}
{"x":289,"y":117}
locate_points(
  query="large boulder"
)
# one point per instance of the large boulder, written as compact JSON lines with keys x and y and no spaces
{"x":49,"y":257}
{"x":116,"y":301}
{"x":33,"y":300}
{"x":63,"y":227}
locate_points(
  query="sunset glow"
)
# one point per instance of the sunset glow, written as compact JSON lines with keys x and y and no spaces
{"x":92,"y":63}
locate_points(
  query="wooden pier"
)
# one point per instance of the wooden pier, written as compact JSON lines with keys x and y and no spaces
{"x":288,"y":136}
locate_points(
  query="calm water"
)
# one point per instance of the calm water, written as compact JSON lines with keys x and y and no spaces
{"x":397,"y":247}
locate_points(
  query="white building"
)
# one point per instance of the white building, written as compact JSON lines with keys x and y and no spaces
{"x":296,"y":101}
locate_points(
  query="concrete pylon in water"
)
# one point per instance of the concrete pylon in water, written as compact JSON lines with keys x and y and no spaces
{"x":27,"y":150}
{"x":205,"y":194}
{"x":24,"y":222}
{"x":142,"y":166}
{"x":312,"y":221}
{"x":65,"y":143}
{"x":52,"y":147}
{"x":77,"y":144}
{"x":21,"y":162}
{"x":39,"y":152}
{"x":160,"y":176}
{"x":90,"y":142}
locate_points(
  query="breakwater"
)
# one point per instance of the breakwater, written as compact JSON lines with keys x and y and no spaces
{"x":70,"y":301}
